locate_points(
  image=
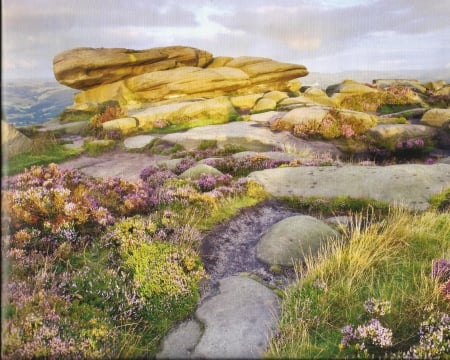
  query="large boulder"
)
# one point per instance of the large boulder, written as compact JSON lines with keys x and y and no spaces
{"x":216,"y":110}
{"x":389,"y":135}
{"x":437,"y":118}
{"x":13,"y":141}
{"x":293,"y":239}
{"x":410,"y":185}
{"x":84,"y":68}
{"x":415,"y":85}
{"x":325,"y":122}
{"x":349,"y":87}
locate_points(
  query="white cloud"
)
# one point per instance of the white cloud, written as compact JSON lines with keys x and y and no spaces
{"x":321,"y":34}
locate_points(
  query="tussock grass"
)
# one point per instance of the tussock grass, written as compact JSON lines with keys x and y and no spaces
{"x":387,"y":260}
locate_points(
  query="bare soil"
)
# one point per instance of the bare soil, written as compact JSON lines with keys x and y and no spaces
{"x":230,"y":248}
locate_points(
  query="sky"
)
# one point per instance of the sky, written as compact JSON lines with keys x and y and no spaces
{"x":324,"y":35}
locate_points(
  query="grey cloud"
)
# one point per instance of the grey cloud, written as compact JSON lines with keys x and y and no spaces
{"x":318,"y":29}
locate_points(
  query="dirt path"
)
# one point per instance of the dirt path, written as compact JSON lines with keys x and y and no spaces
{"x":230,"y":248}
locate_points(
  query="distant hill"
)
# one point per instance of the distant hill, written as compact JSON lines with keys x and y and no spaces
{"x":33,"y":102}
{"x":323,"y":80}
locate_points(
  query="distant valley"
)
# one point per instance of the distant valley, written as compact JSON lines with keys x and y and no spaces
{"x":34,"y":102}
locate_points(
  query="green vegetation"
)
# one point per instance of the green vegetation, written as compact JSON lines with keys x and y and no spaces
{"x":178,"y":125}
{"x":340,"y":205}
{"x":97,"y":147}
{"x":104,"y":268}
{"x":391,"y":261}
{"x":441,"y":201}
{"x":46,"y":149}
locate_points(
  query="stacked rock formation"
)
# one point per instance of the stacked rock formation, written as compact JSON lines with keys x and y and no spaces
{"x":166,"y":73}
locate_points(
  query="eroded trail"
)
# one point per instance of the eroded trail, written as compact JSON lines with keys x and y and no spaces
{"x":230,"y":248}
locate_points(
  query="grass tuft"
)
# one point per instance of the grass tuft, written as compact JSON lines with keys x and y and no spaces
{"x":388,"y":260}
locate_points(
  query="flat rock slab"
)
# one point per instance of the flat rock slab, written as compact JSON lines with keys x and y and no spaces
{"x":239,"y":321}
{"x":126,"y":165}
{"x":181,"y":341}
{"x":248,"y":134}
{"x":138,"y":141}
{"x":409,"y":185}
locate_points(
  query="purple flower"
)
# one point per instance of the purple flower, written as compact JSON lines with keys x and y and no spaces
{"x":409,"y":144}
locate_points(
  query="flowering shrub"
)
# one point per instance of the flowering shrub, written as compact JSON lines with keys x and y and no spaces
{"x":334,"y":125}
{"x":372,"y":339}
{"x":441,"y":272}
{"x":106,"y":114}
{"x":49,"y":206}
{"x":243,"y":166}
{"x":371,"y":336}
{"x":434,"y":337}
{"x":371,"y":101}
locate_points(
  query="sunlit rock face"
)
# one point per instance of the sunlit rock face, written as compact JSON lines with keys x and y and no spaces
{"x":164,"y":74}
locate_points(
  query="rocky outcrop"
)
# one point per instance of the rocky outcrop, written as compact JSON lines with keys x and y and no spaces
{"x":251,"y":136}
{"x":135,"y":77}
{"x":13,"y":141}
{"x":389,"y":135}
{"x":84,"y":68}
{"x":437,"y":118}
{"x":415,"y":85}
{"x":325,"y":122}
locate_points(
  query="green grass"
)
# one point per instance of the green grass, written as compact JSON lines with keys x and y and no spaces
{"x":52,"y":154}
{"x":190,"y":125}
{"x":339,"y":205}
{"x":387,"y":260}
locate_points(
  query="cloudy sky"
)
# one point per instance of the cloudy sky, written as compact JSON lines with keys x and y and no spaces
{"x":324,"y":35}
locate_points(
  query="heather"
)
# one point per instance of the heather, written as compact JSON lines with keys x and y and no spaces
{"x":104,"y":267}
{"x":381,"y":292}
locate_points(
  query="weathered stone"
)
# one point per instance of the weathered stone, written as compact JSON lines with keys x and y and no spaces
{"x":410,"y":185}
{"x":249,"y":135}
{"x":435,"y":85}
{"x":303,"y":115}
{"x":276,"y":95}
{"x":243,"y":75}
{"x":349,"y":87}
{"x":245,"y":102}
{"x":84,"y":68}
{"x":292,"y":240}
{"x":158,"y":116}
{"x":273,"y":155}
{"x":266,"y":117}
{"x":13,"y":141}
{"x":124,"y":125}
{"x":436,"y":117}
{"x":295,"y":102}
{"x":264,"y":104}
{"x":390,"y":134}
{"x":218,"y":109}
{"x":445,"y":91}
{"x":239,"y":321}
{"x":138,"y":142}
{"x":170,"y":164}
{"x":412,"y":84}
{"x":198,"y":170}
{"x":181,"y":341}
